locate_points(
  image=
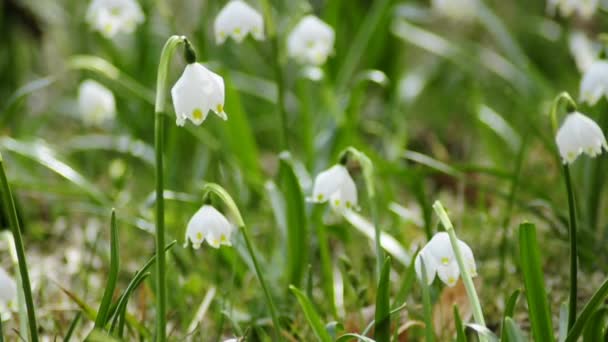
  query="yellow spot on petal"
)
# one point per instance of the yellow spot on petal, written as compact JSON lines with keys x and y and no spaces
{"x":451,"y":280}
{"x":237,"y":31}
{"x":222,"y":34}
{"x":320,"y":197}
{"x":445,"y":260}
{"x":223,"y":238}
{"x":216,"y":242}
{"x":199,"y":236}
{"x":348,"y":204}
{"x":219,"y":108}
{"x":108,"y":28}
{"x":337,"y":202}
{"x":197,"y":114}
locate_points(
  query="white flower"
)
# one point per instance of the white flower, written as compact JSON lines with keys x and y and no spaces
{"x":584,"y":8}
{"x":579,"y":134}
{"x":208,"y":224}
{"x":336,"y":186}
{"x":110,"y":17}
{"x":196,"y":92}
{"x":439,"y":259}
{"x":595,"y":82}
{"x":311,"y":41}
{"x":96,"y":103}
{"x":236,"y":20}
{"x":583,"y":50}
{"x":459,"y":10}
{"x":8,"y":293}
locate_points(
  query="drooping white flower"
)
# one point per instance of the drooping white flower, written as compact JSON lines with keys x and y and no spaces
{"x":236,"y":20}
{"x":8,"y":293}
{"x":210,"y":225}
{"x":336,"y":186}
{"x":439,"y":260}
{"x":583,"y":8}
{"x":458,"y":10}
{"x":579,"y":134}
{"x":583,"y":50}
{"x":110,"y":17}
{"x":594,"y":84}
{"x":196,"y":92}
{"x":311,"y":41}
{"x":96,"y":103}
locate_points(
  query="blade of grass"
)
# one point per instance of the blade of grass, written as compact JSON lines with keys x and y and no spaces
{"x":540,"y":315}
{"x":327,"y":280}
{"x":513,"y":332}
{"x":311,"y":315}
{"x":106,"y":301}
{"x":427,"y":305}
{"x":72,"y":327}
{"x":351,"y":336}
{"x":596,"y":300}
{"x":460,"y":333}
{"x":383,"y":307}
{"x":509,"y":309}
{"x":595,"y":327}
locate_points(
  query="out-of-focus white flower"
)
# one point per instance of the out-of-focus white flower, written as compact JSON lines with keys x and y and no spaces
{"x":196,"y":92}
{"x":336,"y":186}
{"x":208,"y":224}
{"x":236,"y":20}
{"x":579,"y":134}
{"x":583,"y":8}
{"x":311,"y":41}
{"x":96,"y":103}
{"x":8,"y":293}
{"x":439,"y":259}
{"x":595,"y":82}
{"x":459,"y":10}
{"x":583,"y":50}
{"x":110,"y":17}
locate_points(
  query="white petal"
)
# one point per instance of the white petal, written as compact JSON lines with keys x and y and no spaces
{"x":210,"y":225}
{"x":237,"y":19}
{"x":345,"y":197}
{"x":449,"y":273}
{"x":8,"y":290}
{"x":429,"y":264}
{"x":469,"y":259}
{"x":440,"y":249}
{"x":311,"y":41}
{"x":96,"y":103}
{"x":110,"y":17}
{"x":583,"y":51}
{"x":327,"y":183}
{"x":579,"y":134}
{"x":595,"y":82}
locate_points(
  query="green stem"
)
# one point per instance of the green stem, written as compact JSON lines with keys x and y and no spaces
{"x":573,"y":249}
{"x":326,"y":263}
{"x":269,"y":301}
{"x":379,"y":252}
{"x":11,"y":212}
{"x":464,"y":271}
{"x":159,"y":108}
{"x":426,"y":302}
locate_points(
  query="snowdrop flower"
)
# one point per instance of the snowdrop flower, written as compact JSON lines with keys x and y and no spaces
{"x":336,"y":186}
{"x":196,"y":92}
{"x":96,"y":103}
{"x":8,"y":293}
{"x":208,"y":224}
{"x":579,"y":134}
{"x":236,"y":20}
{"x":595,"y":82}
{"x":110,"y":17}
{"x":583,"y":50}
{"x":439,"y":259}
{"x":458,"y":10}
{"x":311,"y":41}
{"x":584,"y":8}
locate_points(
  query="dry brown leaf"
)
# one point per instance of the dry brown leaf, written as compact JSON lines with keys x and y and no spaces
{"x":443,"y":311}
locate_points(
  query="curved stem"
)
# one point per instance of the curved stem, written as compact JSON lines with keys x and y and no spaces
{"x":269,"y":302}
{"x":573,"y":249}
{"x":159,"y":108}
{"x":571,"y":107}
{"x":11,"y":212}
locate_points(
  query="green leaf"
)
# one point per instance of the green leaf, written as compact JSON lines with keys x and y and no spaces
{"x":297,"y":234}
{"x":106,"y":301}
{"x":72,"y":327}
{"x":540,"y":315}
{"x":383,"y":306}
{"x":596,"y":326}
{"x":596,"y":300}
{"x":513,"y":332}
{"x":311,"y":315}
{"x":482,"y":331}
{"x":509,"y":309}
{"x":460,"y":333}
{"x":351,"y":336}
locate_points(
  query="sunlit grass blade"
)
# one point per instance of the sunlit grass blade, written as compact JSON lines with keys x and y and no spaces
{"x":121,"y":311}
{"x":72,"y":327}
{"x":460,"y":332}
{"x":106,"y":301}
{"x":596,"y":300}
{"x":482,"y":332}
{"x":529,"y":257}
{"x":383,"y":306}
{"x":11,"y":212}
{"x":512,"y":332}
{"x":596,"y":326}
{"x":311,"y":315}
{"x":351,"y":336}
{"x":297,"y":230}
{"x":122,"y":144}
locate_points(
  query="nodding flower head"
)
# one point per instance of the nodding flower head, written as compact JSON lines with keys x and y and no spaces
{"x":196,"y":92}
{"x":8,"y":293}
{"x":594,"y":84}
{"x":111,"y":17}
{"x":336,"y":186}
{"x":583,"y":50}
{"x":236,"y":20}
{"x":209,"y":225}
{"x":439,"y":259}
{"x":311,"y":41}
{"x":579,"y":134}
{"x":583,"y":8}
{"x":96,"y":103}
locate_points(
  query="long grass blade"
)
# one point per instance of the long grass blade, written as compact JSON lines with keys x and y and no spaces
{"x":383,"y":306}
{"x":311,"y":315}
{"x":106,"y":301}
{"x":596,"y":300}
{"x":72,"y":327}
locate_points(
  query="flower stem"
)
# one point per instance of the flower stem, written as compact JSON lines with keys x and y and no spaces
{"x":159,"y":108}
{"x":464,"y":272}
{"x":426,"y":302}
{"x":269,"y":302}
{"x":11,"y":212}
{"x":573,"y":249}
{"x":379,"y":253}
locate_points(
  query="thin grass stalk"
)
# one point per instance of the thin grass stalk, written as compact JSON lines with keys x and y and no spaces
{"x":11,"y":212}
{"x":573,"y":249}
